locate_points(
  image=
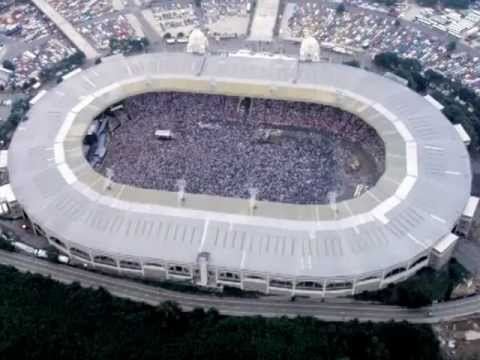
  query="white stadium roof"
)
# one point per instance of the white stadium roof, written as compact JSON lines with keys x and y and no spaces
{"x":471,"y":206}
{"x":6,"y":193}
{"x":414,"y":205}
{"x":3,"y":158}
{"x":462,"y":133}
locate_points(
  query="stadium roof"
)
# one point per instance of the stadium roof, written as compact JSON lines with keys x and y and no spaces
{"x":414,"y":205}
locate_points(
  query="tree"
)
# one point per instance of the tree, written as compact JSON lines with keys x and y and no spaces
{"x":76,"y":59}
{"x":171,"y":311}
{"x":417,"y":82}
{"x":9,"y":65}
{"x":455,"y":113}
{"x":414,"y":294}
{"x":386,"y":2}
{"x":467,"y":94}
{"x":129,"y":46}
{"x":7,"y":246}
{"x":26,"y":85}
{"x":451,"y":46}
{"x":386,"y":60}
{"x":340,"y":8}
{"x":52,"y":253}
{"x":457,"y":4}
{"x":434,"y":77}
{"x":353,"y":63}
{"x":19,"y":108}
{"x":65,"y":65}
{"x":17,"y":114}
{"x":427,"y":3}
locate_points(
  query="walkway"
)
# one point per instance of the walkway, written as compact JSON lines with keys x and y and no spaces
{"x":67,"y":29}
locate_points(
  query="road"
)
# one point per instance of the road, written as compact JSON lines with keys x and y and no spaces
{"x":331,"y":310}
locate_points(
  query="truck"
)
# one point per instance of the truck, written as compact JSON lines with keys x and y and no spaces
{"x":63,"y":259}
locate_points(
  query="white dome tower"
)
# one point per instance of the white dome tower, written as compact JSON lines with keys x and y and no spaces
{"x":309,"y":49}
{"x":197,"y":42}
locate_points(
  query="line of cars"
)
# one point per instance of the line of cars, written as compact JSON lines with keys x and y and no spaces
{"x":11,"y":238}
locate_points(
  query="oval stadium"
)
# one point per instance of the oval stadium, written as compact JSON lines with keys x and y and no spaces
{"x":260,"y":172}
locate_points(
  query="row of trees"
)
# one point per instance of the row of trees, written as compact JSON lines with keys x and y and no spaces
{"x":64,"y":66}
{"x":386,"y":2}
{"x":461,"y":104}
{"x":129,"y":46}
{"x":6,"y":245}
{"x":457,"y":4}
{"x":43,"y":319}
{"x":421,"y":289}
{"x":407,"y":68}
{"x":17,"y":114}
{"x":52,"y":71}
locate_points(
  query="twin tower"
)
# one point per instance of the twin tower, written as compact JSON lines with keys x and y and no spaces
{"x":309,"y":48}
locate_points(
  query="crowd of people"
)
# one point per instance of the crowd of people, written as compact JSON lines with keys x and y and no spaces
{"x":288,"y":151}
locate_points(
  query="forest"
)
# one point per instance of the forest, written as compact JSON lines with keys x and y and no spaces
{"x":43,"y":319}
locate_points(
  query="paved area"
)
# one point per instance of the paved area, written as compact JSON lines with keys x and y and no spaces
{"x":136,"y":25}
{"x":264,"y":19}
{"x":25,"y":236}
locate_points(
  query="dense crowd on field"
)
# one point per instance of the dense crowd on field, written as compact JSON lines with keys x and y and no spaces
{"x":288,"y":151}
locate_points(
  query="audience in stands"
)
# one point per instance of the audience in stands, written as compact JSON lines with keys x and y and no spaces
{"x":290,"y":151}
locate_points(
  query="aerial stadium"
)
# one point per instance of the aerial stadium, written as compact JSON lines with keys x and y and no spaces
{"x":262,"y":172}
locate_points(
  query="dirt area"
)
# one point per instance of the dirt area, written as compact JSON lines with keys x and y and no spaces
{"x":460,"y":340}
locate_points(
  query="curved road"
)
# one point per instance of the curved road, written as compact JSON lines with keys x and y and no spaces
{"x":334,"y":310}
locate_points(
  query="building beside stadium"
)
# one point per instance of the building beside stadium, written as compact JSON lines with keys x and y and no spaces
{"x":403,"y":223}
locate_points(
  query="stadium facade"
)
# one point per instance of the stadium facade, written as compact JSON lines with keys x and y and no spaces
{"x":400,"y":225}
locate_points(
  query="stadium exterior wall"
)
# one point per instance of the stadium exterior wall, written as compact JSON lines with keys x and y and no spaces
{"x":161,"y":270}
